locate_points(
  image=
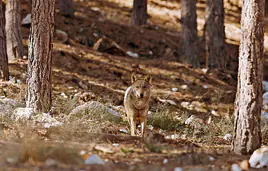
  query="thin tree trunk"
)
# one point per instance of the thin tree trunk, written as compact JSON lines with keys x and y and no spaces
{"x":215,"y":34}
{"x":139,"y":12}
{"x":13,"y":30}
{"x":190,"y":51}
{"x":248,"y":103}
{"x":3,"y":48}
{"x":40,"y":49}
{"x":67,"y":8}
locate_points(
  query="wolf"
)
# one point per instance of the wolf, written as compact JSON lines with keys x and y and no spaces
{"x":136,"y":102}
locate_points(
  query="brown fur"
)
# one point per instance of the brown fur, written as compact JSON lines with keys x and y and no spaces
{"x":136,"y":102}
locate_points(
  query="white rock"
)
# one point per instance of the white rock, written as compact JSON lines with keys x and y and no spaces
{"x":132,"y":54}
{"x":174,"y":89}
{"x":265,"y":99}
{"x":150,"y":52}
{"x":94,"y":108}
{"x":62,"y":35}
{"x":115,"y":145}
{"x":178,"y":169}
{"x":184,"y":87}
{"x":265,"y":86}
{"x":165,"y":161}
{"x":228,"y":137}
{"x":94,"y":159}
{"x":205,"y":86}
{"x":47,"y":120}
{"x":27,"y":19}
{"x":7,"y":106}
{"x":64,"y":95}
{"x":83,"y":152}
{"x":50,"y":162}
{"x":235,"y":167}
{"x":95,"y":9}
{"x":123,"y":131}
{"x":259,"y":158}
{"x":204,"y":70}
{"x":211,"y":158}
{"x":23,"y":113}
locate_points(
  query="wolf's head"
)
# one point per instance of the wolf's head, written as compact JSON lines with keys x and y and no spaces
{"x":141,"y":86}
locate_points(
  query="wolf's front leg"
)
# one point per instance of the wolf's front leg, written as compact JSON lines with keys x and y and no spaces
{"x":132,"y":126}
{"x":143,"y":127}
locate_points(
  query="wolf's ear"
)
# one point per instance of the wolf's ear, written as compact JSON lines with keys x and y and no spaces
{"x":134,"y":78}
{"x":148,"y":78}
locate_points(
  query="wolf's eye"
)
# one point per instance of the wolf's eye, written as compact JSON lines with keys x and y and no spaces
{"x":144,"y":86}
{"x":137,"y":87}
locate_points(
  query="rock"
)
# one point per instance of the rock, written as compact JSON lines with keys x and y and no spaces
{"x":165,"y":161}
{"x":184,"y":87}
{"x":174,"y":89}
{"x":235,"y":167}
{"x":132,"y":54}
{"x":62,"y":36}
{"x":94,"y":110}
{"x":244,"y":165}
{"x":94,"y":159}
{"x":195,"y":122}
{"x":108,"y":46}
{"x":27,"y":20}
{"x":211,"y":158}
{"x":174,"y":136}
{"x":265,"y":86}
{"x":265,"y":99}
{"x":259,"y":158}
{"x":205,"y":86}
{"x":47,"y":120}
{"x":178,"y":169}
{"x":23,"y":113}
{"x":171,"y":102}
{"x":228,"y":137}
{"x":7,"y":106}
{"x":123,"y":131}
{"x":64,"y":95}
{"x":104,"y":149}
{"x":50,"y":162}
{"x":195,"y":105}
{"x":204,"y":70}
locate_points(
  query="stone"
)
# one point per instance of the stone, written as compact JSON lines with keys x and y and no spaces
{"x":7,"y":106}
{"x":259,"y":158}
{"x":27,"y":20}
{"x":23,"y":113}
{"x":94,"y":110}
{"x":94,"y":159}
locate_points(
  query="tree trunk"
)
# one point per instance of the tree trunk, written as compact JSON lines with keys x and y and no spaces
{"x":248,"y":103}
{"x":67,"y":8}
{"x":3,"y":47}
{"x":13,"y":30}
{"x":139,"y":12}
{"x":190,"y":52}
{"x":40,"y":49}
{"x":215,"y":35}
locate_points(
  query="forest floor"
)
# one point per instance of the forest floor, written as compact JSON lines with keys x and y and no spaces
{"x":82,"y":74}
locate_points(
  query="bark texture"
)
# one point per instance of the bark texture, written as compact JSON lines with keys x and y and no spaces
{"x":215,"y":34}
{"x":3,"y":48}
{"x":40,"y":49}
{"x":67,"y":8}
{"x":139,"y":12}
{"x":248,"y":103}
{"x":190,"y":51}
{"x":13,"y":30}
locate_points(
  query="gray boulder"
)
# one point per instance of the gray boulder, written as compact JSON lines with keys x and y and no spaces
{"x":94,"y":110}
{"x":7,"y":106}
{"x":265,"y":86}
